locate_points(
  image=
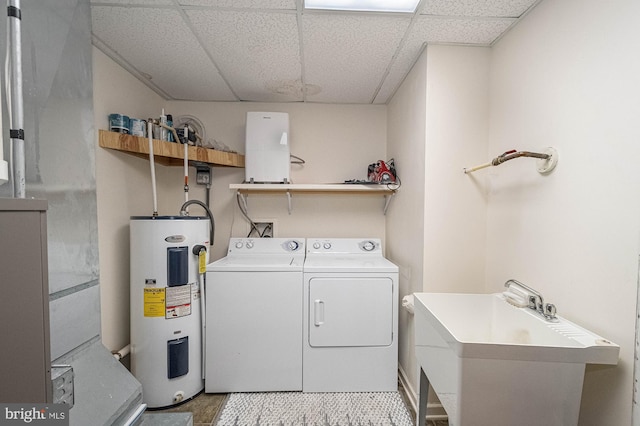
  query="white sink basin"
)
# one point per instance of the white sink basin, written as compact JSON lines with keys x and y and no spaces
{"x":492,"y":363}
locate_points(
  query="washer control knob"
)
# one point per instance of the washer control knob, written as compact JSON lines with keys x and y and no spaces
{"x":239,"y":245}
{"x":293,"y":245}
{"x":368,"y":246}
{"x":327,"y":246}
{"x":316,"y":245}
{"x":249,"y":244}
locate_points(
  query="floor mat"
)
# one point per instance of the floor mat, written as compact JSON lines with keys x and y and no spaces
{"x":315,"y":409}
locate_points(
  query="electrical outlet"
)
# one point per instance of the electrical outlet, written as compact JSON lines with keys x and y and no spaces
{"x":203,"y":173}
{"x":203,"y":177}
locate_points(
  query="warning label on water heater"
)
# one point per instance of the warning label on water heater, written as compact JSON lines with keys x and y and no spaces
{"x":154,"y":302}
{"x":178,"y":303}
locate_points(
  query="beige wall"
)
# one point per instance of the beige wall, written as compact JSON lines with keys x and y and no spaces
{"x":438,"y":124}
{"x":337,"y":142}
{"x":123,"y":189}
{"x":567,"y":77}
{"x":455,"y":202}
{"x":405,"y":218}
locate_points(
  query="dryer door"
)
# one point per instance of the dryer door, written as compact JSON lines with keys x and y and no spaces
{"x":350,"y":312}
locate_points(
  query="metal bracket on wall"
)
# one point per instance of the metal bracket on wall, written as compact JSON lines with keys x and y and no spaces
{"x":289,"y":206}
{"x":387,"y":201}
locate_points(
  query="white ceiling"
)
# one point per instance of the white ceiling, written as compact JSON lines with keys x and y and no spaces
{"x":275,"y":51}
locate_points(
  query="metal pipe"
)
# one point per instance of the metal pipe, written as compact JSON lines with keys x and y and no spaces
{"x":14,"y":92}
{"x":509,"y":155}
{"x":186,"y":172}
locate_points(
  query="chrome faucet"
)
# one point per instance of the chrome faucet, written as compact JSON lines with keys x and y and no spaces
{"x":536,"y":301}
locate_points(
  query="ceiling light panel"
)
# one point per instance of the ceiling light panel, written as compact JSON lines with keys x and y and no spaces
{"x":257,"y":52}
{"x":406,"y":6}
{"x":170,"y":55}
{"x":346,"y":55}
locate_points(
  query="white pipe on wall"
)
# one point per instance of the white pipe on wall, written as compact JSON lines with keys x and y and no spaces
{"x":152,"y":165}
{"x":122,"y":352}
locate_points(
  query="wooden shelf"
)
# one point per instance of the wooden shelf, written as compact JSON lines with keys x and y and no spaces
{"x":309,"y":188}
{"x":167,"y":153}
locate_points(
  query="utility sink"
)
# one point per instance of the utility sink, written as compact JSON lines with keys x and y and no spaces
{"x":493,"y":363}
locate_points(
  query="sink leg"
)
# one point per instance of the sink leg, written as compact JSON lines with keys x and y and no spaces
{"x":423,"y":392}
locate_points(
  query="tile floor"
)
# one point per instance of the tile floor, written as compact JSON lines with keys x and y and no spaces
{"x":206,"y":406}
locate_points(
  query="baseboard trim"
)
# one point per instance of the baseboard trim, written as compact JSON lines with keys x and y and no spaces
{"x":434,"y":411}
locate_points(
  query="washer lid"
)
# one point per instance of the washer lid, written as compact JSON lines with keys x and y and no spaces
{"x":266,"y":263}
{"x":351,"y":264}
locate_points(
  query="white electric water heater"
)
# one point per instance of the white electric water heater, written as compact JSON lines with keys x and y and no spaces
{"x":267,"y":151}
{"x":167,"y":255}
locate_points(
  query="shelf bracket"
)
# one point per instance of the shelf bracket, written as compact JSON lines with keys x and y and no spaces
{"x":387,"y":201}
{"x":245,"y":195}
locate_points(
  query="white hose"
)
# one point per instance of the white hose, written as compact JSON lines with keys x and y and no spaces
{"x":153,"y":168}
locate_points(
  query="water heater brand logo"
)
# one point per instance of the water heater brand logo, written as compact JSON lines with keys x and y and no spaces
{"x":58,"y":414}
{"x":175,"y":238}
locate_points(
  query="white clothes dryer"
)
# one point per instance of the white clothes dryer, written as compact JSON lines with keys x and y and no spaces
{"x":254,"y":317}
{"x":350,"y":317}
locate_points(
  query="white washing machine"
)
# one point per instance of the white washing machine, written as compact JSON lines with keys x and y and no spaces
{"x":253,"y":317}
{"x":350,"y":317}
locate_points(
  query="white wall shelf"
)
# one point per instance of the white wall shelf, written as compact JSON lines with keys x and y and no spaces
{"x":311,"y":188}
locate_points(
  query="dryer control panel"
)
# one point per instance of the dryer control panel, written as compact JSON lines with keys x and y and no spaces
{"x":257,"y":246}
{"x":335,"y":246}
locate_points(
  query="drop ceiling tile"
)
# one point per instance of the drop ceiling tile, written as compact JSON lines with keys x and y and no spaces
{"x":243,"y":4}
{"x":346,"y":55}
{"x":482,"y":31}
{"x":490,"y":8}
{"x":426,"y":29}
{"x":157,"y":42}
{"x":257,"y":52}
{"x":135,"y":2}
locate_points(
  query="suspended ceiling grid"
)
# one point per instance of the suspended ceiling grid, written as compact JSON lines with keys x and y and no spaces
{"x":276,"y":51}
